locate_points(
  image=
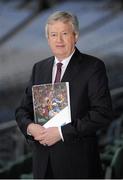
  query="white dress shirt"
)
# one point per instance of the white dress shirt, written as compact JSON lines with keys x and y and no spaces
{"x":63,"y":68}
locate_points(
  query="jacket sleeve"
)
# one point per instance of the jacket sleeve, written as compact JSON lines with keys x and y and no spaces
{"x":24,"y":113}
{"x":99,"y":113}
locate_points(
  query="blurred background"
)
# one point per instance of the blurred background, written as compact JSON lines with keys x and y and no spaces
{"x":23,"y":42}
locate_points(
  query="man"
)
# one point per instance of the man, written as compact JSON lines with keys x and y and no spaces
{"x":70,"y":151}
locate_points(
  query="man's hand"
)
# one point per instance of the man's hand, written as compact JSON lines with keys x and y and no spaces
{"x":35,"y":130}
{"x":49,"y":136}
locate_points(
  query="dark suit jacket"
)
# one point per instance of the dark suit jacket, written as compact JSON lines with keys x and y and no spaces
{"x":91,"y":110}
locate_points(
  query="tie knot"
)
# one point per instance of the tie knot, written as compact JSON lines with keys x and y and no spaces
{"x":59,"y":65}
{"x":58,"y":73}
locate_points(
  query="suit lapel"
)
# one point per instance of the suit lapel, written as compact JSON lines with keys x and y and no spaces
{"x":48,"y":71}
{"x":72,"y":68}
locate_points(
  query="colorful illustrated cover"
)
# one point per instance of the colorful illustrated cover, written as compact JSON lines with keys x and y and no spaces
{"x":51,"y":104}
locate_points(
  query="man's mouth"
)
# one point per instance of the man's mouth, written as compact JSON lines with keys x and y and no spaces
{"x":60,"y":46}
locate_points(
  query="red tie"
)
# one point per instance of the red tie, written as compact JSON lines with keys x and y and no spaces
{"x":58,"y":73}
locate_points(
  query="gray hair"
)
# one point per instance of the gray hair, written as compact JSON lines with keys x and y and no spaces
{"x":63,"y":17}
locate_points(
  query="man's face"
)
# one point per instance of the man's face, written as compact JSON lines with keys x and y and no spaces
{"x":61,"y":39}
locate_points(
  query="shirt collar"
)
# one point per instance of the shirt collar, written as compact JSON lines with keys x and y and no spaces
{"x":64,"y":61}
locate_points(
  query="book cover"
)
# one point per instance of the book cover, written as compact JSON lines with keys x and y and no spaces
{"x":51,"y":104}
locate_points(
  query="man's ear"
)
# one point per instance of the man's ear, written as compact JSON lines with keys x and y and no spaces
{"x":76,"y":38}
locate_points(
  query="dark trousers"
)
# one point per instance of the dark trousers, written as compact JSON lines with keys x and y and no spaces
{"x":49,"y":171}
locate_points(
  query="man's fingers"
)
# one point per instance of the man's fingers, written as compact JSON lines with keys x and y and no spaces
{"x":39,"y":138}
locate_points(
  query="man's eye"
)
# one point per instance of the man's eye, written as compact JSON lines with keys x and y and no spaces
{"x":53,"y":34}
{"x":65,"y":33}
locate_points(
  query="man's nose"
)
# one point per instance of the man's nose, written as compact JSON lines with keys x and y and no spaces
{"x":59,"y":38}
